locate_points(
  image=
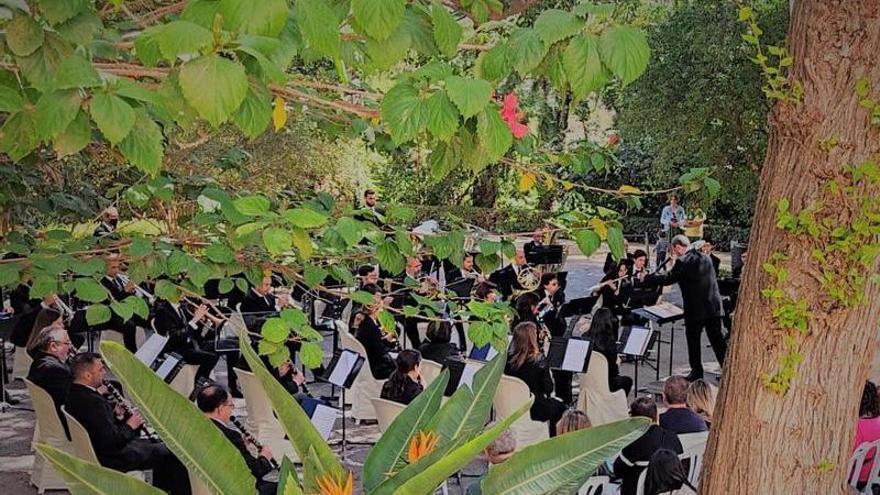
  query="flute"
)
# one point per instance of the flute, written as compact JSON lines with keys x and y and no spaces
{"x":252,"y":439}
{"x":128,"y":409}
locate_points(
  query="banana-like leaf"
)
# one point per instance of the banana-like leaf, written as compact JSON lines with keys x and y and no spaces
{"x":393,"y":480}
{"x":565,"y":460}
{"x":394,"y":442}
{"x":428,"y":480}
{"x":288,"y":481}
{"x":188,"y":433}
{"x":293,"y":419}
{"x":85,"y":478}
{"x":313,"y":470}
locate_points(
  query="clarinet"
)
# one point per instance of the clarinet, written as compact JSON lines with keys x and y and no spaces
{"x":252,"y":439}
{"x":128,"y":412}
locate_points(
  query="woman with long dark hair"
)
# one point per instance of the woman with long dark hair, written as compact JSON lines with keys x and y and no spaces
{"x":438,"y":347}
{"x":526,"y":362}
{"x":603,"y":336}
{"x":868,"y":427}
{"x":376,"y":342}
{"x":406,"y":382}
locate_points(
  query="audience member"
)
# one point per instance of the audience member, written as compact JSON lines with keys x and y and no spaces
{"x":439,"y":346}
{"x":679,"y":418}
{"x":868,"y":427}
{"x":572,"y":420}
{"x":406,"y":382}
{"x":701,"y":400}
{"x":644,"y":447}
{"x":603,"y":335}
{"x":526,"y":362}
{"x":499,"y":451}
{"x":666,"y":474}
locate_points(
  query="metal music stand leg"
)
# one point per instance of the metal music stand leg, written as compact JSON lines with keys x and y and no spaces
{"x":342,"y":455}
{"x":4,"y":406}
{"x":636,"y":376}
{"x":671,"y":345}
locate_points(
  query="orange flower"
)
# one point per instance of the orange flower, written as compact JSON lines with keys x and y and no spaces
{"x":422,"y":444}
{"x":329,"y":485}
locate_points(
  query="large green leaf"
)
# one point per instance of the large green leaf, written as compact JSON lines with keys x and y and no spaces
{"x":89,"y":290}
{"x":10,"y":100}
{"x":378,"y":18}
{"x":318,"y":26}
{"x":625,"y":51}
{"x":56,"y":11}
{"x":305,"y":218}
{"x":255,"y":112}
{"x":24,"y":35}
{"x":187,"y":432}
{"x":615,"y":242}
{"x":113,"y":116}
{"x":583,"y":67}
{"x":389,"y":257}
{"x":76,"y":137}
{"x":143,"y":147}
{"x":442,"y":116}
{"x":181,"y":38}
{"x":300,"y":430}
{"x":85,"y":478}
{"x":41,"y":67}
{"x":493,"y":65}
{"x":447,"y":31}
{"x":434,"y":475}
{"x":554,"y":25}
{"x":76,"y":72}
{"x":469,"y":95}
{"x":81,"y":29}
{"x":587,"y":241}
{"x":214,"y":87}
{"x":261,"y":17}
{"x":494,"y":134}
{"x":55,"y":111}
{"x":394,"y":442}
{"x":384,"y":54}
{"x":526,"y":50}
{"x":288,"y":482}
{"x":201,"y":12}
{"x":561,"y":461}
{"x":277,"y":240}
{"x":146,"y":46}
{"x":404,"y":112}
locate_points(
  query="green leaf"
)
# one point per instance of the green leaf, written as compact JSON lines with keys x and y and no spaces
{"x":313,"y":275}
{"x":305,"y":218}
{"x":447,"y":31}
{"x":146,"y":46}
{"x":315,"y":21}
{"x":10,"y":100}
{"x":89,"y":290}
{"x":124,"y":311}
{"x":625,"y":51}
{"x":615,"y":243}
{"x":404,"y":112}
{"x":76,"y":137}
{"x":143,"y":148}
{"x":220,"y":253}
{"x":587,"y":241}
{"x":168,"y":291}
{"x":583,"y":67}
{"x":293,"y":419}
{"x":9,"y":274}
{"x":288,"y":481}
{"x":97,"y":314}
{"x":255,"y":112}
{"x":555,"y":25}
{"x":417,"y":23}
{"x":183,"y":428}
{"x":260,"y":17}
{"x":41,"y":67}
{"x":362,"y":297}
{"x":275,"y":330}
{"x":493,"y":65}
{"x":81,"y":29}
{"x":113,"y":116}
{"x":139,"y":306}
{"x":55,"y":111}
{"x":387,"y":321}
{"x":18,"y":136}
{"x":24,"y":35}
{"x":76,"y":72}
{"x":562,"y":461}
{"x":277,"y":240}
{"x":389,"y":257}
{"x":526,"y":49}
{"x":494,"y":134}
{"x":311,"y":355}
{"x":384,"y":54}
{"x":469,"y":95}
{"x":394,"y":442}
{"x":82,"y":477}
{"x":302,"y":242}
{"x":178,"y":38}
{"x":443,"y":160}
{"x":57,"y":11}
{"x":201,"y":12}
{"x":214,"y":87}
{"x":253,"y":205}
{"x":712,"y":186}
{"x":442,"y":116}
{"x":378,"y":18}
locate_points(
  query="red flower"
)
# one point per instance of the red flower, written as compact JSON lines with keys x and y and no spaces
{"x":613,"y":139}
{"x":512,"y":117}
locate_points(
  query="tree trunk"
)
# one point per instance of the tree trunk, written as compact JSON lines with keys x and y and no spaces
{"x":800,"y":442}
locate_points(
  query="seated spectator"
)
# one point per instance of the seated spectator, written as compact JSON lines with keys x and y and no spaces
{"x":500,"y":450}
{"x":701,"y":400}
{"x":603,"y":335}
{"x":679,"y":418}
{"x":644,"y":447}
{"x":868,"y":427}
{"x":439,"y":346}
{"x":666,"y":474}
{"x":49,"y":369}
{"x":376,"y":342}
{"x":572,"y":420}
{"x":526,"y":362}
{"x":406,"y":382}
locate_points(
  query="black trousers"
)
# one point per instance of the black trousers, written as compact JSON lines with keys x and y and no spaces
{"x":169,"y":473}
{"x":620,"y":382}
{"x":462,"y":340}
{"x":548,"y":409}
{"x":411,"y":329}
{"x":129,"y":335}
{"x":562,"y":385}
{"x":693,"y":331}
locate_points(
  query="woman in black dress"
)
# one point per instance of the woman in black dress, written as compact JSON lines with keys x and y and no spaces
{"x":406,"y":382}
{"x":439,"y":346}
{"x":526,"y":362}
{"x":603,"y":335}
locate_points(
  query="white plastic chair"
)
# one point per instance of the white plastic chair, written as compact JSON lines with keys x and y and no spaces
{"x":857,"y":460}
{"x":21,"y":365}
{"x":365,"y":386}
{"x":49,"y":431}
{"x":184,"y":381}
{"x":595,"y":399}
{"x":430,"y":371}
{"x":694,"y":442}
{"x":82,"y":443}
{"x":694,"y":463}
{"x":511,"y":395}
{"x":386,"y":411}
{"x":197,"y":486}
{"x":596,"y":485}
{"x":261,"y":420}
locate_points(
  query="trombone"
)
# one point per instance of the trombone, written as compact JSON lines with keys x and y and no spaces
{"x":140,"y":291}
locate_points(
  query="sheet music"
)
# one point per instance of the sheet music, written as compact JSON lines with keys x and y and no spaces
{"x":151,"y":349}
{"x":467,"y":374}
{"x":665,"y":310}
{"x":167,"y":366}
{"x":346,"y":362}
{"x":576,"y":355}
{"x":324,"y":418}
{"x":637,"y":343}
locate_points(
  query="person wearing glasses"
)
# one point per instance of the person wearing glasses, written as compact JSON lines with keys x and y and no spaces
{"x":49,"y":369}
{"x":109,"y":222}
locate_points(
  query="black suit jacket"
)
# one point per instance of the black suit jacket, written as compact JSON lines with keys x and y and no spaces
{"x":53,"y":376}
{"x":695,"y":274}
{"x":370,"y":336}
{"x":95,"y":413}
{"x":259,"y":466}
{"x":255,"y":303}
{"x":171,"y":323}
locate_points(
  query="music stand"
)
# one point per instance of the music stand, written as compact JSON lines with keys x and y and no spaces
{"x":635,"y":342}
{"x":342,"y":371}
{"x":570,"y":354}
{"x":462,"y":287}
{"x":545,"y":255}
{"x":661,"y":314}
{"x":322,"y":416}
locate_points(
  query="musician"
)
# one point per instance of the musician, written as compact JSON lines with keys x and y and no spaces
{"x":26,"y":308}
{"x":672,"y":217}
{"x":526,"y":362}
{"x":371,"y":203}
{"x":107,"y":226}
{"x":120,"y":290}
{"x":116,"y":442}
{"x":706,"y":246}
{"x":537,"y":241}
{"x":46,"y":317}
{"x":616,"y":288}
{"x":217,"y":405}
{"x":367,"y":275}
{"x":611,"y":265}
{"x":184,"y":330}
{"x":641,"y":295}
{"x":376,"y":342}
{"x":439,"y":346}
{"x":49,"y":369}
{"x":507,"y":278}
{"x":261,"y":300}
{"x":460,"y":275}
{"x":694,"y":274}
{"x":404,"y":297}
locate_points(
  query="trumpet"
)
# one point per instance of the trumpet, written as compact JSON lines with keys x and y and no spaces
{"x":140,"y":291}
{"x":212,"y":321}
{"x":65,"y":309}
{"x":117,"y":397}
{"x":249,"y":437}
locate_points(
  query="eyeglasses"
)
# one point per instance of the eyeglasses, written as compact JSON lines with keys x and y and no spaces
{"x":62,"y":342}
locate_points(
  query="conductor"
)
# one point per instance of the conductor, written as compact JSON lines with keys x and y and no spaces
{"x":695,"y":275}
